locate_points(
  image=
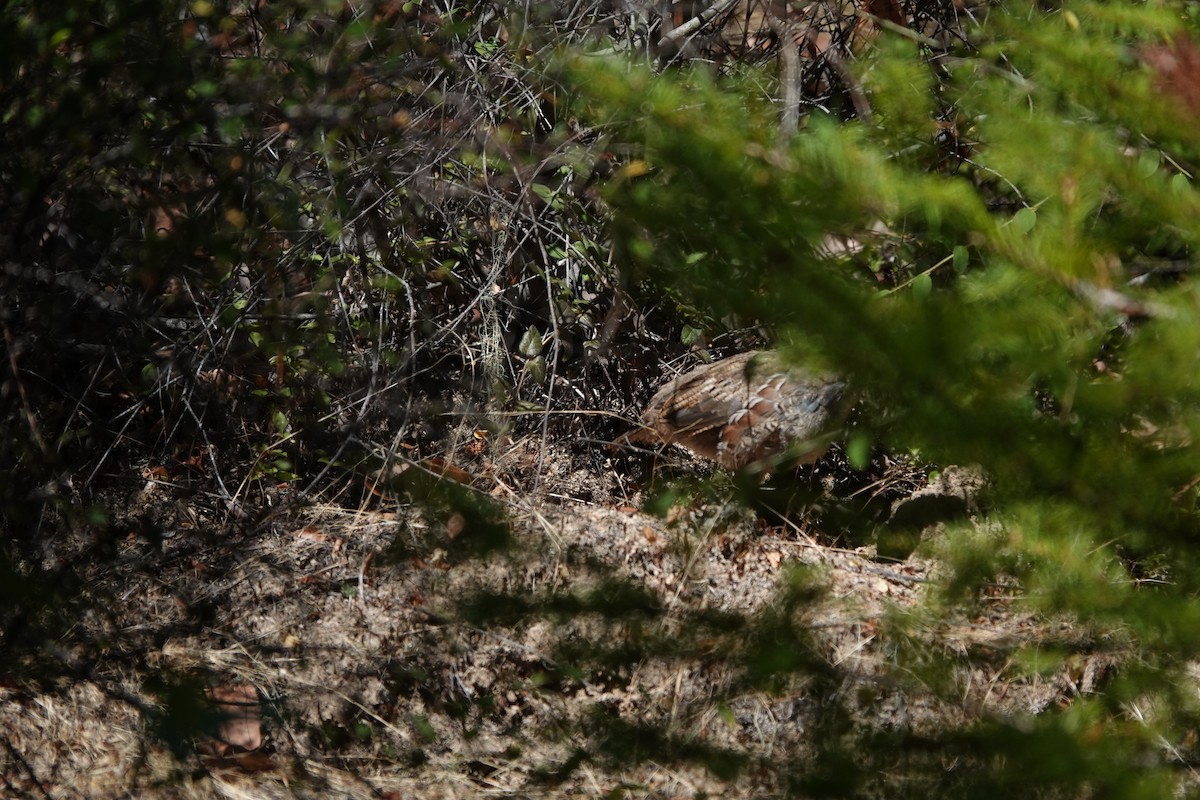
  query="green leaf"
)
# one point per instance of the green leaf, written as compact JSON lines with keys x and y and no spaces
{"x":961,"y":258}
{"x":552,"y":197}
{"x":537,"y":368}
{"x":922,"y":286}
{"x":1148,"y":163}
{"x":858,"y":451}
{"x":531,"y":342}
{"x":487,"y":47}
{"x":1024,"y":220}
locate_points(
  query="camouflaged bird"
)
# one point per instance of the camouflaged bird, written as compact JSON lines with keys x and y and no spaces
{"x":749,"y":409}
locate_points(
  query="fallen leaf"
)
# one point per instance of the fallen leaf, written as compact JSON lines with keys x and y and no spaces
{"x":241,"y":726}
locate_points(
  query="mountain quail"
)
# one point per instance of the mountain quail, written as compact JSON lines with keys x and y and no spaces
{"x":745,"y":410}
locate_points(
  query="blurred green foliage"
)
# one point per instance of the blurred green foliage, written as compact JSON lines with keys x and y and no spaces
{"x":1051,"y":346}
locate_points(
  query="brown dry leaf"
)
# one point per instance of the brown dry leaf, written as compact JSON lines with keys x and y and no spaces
{"x":242,"y":762}
{"x":238,"y":704}
{"x":478,"y":443}
{"x":310,"y":532}
{"x":889,"y":10}
{"x":255,"y":762}
{"x":442,"y":467}
{"x":195,"y":461}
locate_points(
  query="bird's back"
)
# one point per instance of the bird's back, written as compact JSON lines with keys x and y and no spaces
{"x":745,"y":409}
